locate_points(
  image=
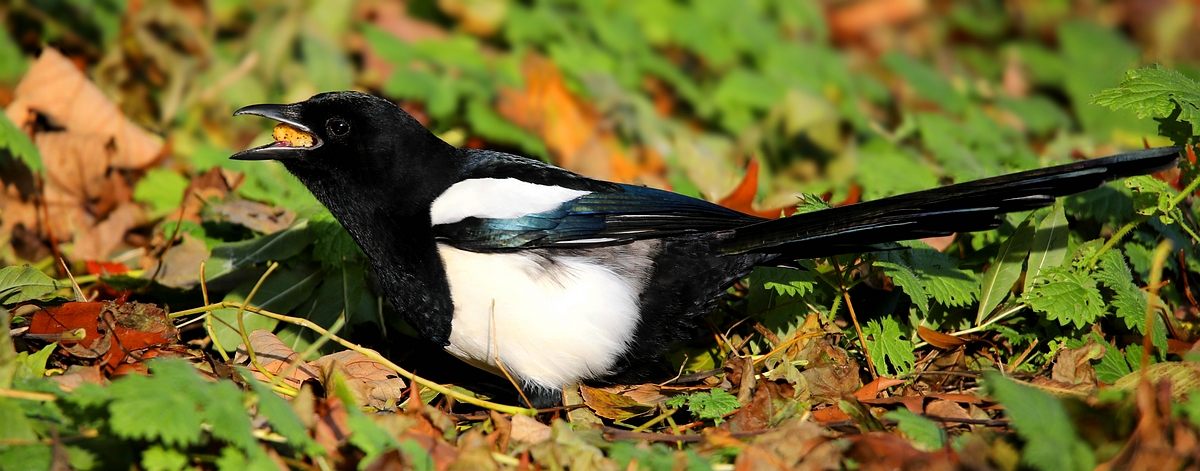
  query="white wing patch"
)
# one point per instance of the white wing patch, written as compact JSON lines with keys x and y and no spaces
{"x":495,"y":198}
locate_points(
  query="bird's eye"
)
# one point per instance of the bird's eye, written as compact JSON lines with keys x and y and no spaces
{"x":337,"y":127}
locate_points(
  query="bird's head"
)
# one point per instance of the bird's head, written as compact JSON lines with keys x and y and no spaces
{"x":339,"y":143}
{"x":341,"y":130}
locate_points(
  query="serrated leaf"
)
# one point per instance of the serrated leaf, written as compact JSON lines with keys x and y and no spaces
{"x":712,"y":405}
{"x":1067,"y":297}
{"x":1051,"y":442}
{"x":999,"y":278}
{"x":157,"y":458}
{"x":908,"y":281}
{"x":1154,"y":91}
{"x":145,"y":409}
{"x":784,"y":281}
{"x":223,"y":410}
{"x":1049,"y":247}
{"x":810,"y":202}
{"x":918,"y":429}
{"x":884,"y":339}
{"x":20,"y":284}
{"x":1112,"y":365}
{"x":935,"y":273}
{"x":1151,"y":196}
{"x":19,"y":145}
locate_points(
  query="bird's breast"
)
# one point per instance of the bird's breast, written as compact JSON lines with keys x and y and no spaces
{"x":550,"y":317}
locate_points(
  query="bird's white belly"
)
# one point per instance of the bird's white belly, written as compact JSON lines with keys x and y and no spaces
{"x":550,"y":323}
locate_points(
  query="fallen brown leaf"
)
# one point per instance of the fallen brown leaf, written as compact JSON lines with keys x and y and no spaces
{"x":610,"y":405}
{"x":275,"y":357}
{"x":526,"y":429}
{"x":369,"y":381}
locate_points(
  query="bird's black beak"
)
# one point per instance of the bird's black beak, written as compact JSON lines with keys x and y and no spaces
{"x":292,"y":138}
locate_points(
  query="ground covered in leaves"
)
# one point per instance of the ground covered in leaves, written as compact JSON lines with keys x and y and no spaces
{"x":167,"y":309}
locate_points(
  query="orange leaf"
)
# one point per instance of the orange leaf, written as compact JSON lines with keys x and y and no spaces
{"x":938,"y":339}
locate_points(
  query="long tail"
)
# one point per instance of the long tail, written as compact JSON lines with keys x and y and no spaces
{"x":963,"y":207}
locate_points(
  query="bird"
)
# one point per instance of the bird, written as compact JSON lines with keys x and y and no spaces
{"x":553,"y":278}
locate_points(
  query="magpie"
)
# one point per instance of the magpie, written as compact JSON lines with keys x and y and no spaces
{"x":520,"y":267}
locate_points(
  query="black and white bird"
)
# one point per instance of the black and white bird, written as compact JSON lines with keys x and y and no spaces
{"x":563,"y":278}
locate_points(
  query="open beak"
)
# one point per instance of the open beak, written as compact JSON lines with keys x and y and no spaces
{"x":292,"y":139}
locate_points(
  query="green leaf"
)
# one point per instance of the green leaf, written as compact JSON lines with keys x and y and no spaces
{"x":37,"y":361}
{"x":1154,"y":91}
{"x":1066,"y":296}
{"x":881,"y":161}
{"x":1112,"y":365}
{"x":20,"y":284}
{"x":887,"y":346}
{"x":908,"y":281}
{"x":283,"y":291}
{"x":16,"y":425}
{"x":927,"y":82}
{"x":19,"y":145}
{"x":935,"y":273}
{"x":223,"y":410}
{"x":999,"y":278}
{"x":1051,"y":442}
{"x":1152,"y":196}
{"x":712,"y":405}
{"x":157,"y":458}
{"x":145,"y":408}
{"x":810,"y":202}
{"x":332,"y":245}
{"x":920,"y":430}
{"x":1049,"y":247}
{"x":229,"y":257}
{"x":785,"y":281}
{"x":162,"y":189}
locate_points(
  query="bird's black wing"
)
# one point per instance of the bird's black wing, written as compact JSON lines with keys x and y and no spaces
{"x":620,"y":214}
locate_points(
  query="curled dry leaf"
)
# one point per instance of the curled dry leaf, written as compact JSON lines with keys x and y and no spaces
{"x":370,"y":381}
{"x":275,"y":357}
{"x":180,"y":264}
{"x":610,"y":405}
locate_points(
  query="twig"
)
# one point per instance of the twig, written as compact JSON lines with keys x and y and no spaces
{"x":241,"y":323}
{"x":366,"y":352}
{"x":612,"y":433}
{"x":208,"y":326}
{"x":74,"y":286}
{"x":861,"y":338}
{"x":1156,"y":268}
{"x":499,"y":364}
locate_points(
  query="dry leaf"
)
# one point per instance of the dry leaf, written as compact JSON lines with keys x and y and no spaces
{"x":610,"y":405}
{"x":938,"y":339}
{"x":275,"y":357}
{"x":371,"y":382}
{"x":180,"y":264}
{"x":526,"y":429}
{"x":256,"y":216}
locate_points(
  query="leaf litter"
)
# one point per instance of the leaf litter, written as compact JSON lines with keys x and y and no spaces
{"x":781,"y":385}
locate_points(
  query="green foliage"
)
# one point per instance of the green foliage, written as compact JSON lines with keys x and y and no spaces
{"x":1051,"y":442}
{"x":162,"y":189}
{"x":1066,"y":296}
{"x":925,"y":273}
{"x":785,"y":281}
{"x":888,"y":346}
{"x":20,"y":284}
{"x":1154,"y":91}
{"x":920,"y":430}
{"x":712,"y":405}
{"x":18,"y":145}
{"x":999,"y":279}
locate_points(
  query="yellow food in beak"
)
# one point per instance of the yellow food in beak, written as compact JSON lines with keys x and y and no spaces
{"x":293,"y":137}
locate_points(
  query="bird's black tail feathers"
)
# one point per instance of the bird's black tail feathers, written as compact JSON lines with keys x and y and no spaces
{"x":970,"y":206}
